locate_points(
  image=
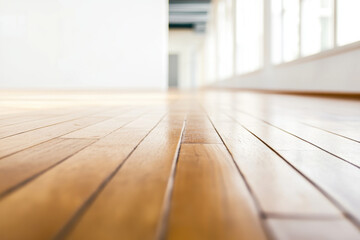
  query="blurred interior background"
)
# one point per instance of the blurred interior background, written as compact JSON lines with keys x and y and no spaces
{"x":292,"y":45}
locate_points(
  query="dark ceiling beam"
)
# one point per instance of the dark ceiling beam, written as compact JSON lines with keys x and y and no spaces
{"x":183,"y":25}
{"x":189,"y":14}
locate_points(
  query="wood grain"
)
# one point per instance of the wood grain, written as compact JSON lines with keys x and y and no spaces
{"x":199,"y":129}
{"x":332,"y":229}
{"x":20,"y":167}
{"x":125,"y":165}
{"x":65,"y":188}
{"x":22,"y":141}
{"x":279,"y":188}
{"x":140,"y":186}
{"x":210,"y":200}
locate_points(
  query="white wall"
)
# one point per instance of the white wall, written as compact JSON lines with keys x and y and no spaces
{"x":337,"y":73}
{"x":83,"y":44}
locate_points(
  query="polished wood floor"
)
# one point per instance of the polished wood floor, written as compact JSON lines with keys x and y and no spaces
{"x":171,"y":165}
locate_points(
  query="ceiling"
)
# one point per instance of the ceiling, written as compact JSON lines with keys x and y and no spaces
{"x":189,"y":14}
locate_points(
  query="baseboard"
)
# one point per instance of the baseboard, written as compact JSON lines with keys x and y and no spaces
{"x":326,"y":94}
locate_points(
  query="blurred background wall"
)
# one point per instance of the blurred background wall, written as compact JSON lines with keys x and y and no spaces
{"x":83,"y":44}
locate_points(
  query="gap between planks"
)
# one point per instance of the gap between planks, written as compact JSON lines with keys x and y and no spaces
{"x":347,"y":215}
{"x":164,"y":219}
{"x":66,"y":229}
{"x":292,"y":134}
{"x":251,"y":192}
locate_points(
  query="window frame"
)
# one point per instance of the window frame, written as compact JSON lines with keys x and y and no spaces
{"x":336,"y":49}
{"x":267,"y":59}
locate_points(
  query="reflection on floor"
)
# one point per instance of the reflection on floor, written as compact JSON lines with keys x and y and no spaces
{"x":148,"y":165}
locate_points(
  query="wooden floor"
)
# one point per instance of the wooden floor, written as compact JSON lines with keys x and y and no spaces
{"x":206,"y":165}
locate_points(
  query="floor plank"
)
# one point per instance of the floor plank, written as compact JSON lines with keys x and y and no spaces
{"x":40,"y":123}
{"x":210,"y":200}
{"x":333,"y":229}
{"x":343,"y":129}
{"x":103,"y":128}
{"x":65,"y":188}
{"x":22,"y":166}
{"x":112,"y":216}
{"x":323,"y":169}
{"x":199,"y":129}
{"x":25,"y":140}
{"x":341,"y":147}
{"x":279,"y":188}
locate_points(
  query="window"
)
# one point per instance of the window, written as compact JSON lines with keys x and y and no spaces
{"x":276,"y":30}
{"x":225,"y":39}
{"x":348,"y":19}
{"x":249,"y":35}
{"x":286,"y":30}
{"x":290,"y":29}
{"x":306,"y":27}
{"x":316,"y":26}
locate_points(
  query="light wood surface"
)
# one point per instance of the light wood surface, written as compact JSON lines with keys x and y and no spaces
{"x":280,"y":189}
{"x":177,"y":165}
{"x":21,"y":167}
{"x":140,"y":185}
{"x":329,"y":229}
{"x":210,"y":199}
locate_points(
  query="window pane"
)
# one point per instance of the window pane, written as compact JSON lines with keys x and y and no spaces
{"x":210,"y":52}
{"x":225,"y":39}
{"x":276,"y":31}
{"x":290,"y":29}
{"x":249,"y":35}
{"x":348,"y":19}
{"x":317,"y":26}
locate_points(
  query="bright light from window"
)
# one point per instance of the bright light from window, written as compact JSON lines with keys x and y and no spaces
{"x":348,"y":19}
{"x":225,"y":39}
{"x":316,"y":26}
{"x":305,"y":27}
{"x":285,"y":30}
{"x":298,"y":28}
{"x":290,"y":30}
{"x":276,"y":31}
{"x":249,"y":35}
